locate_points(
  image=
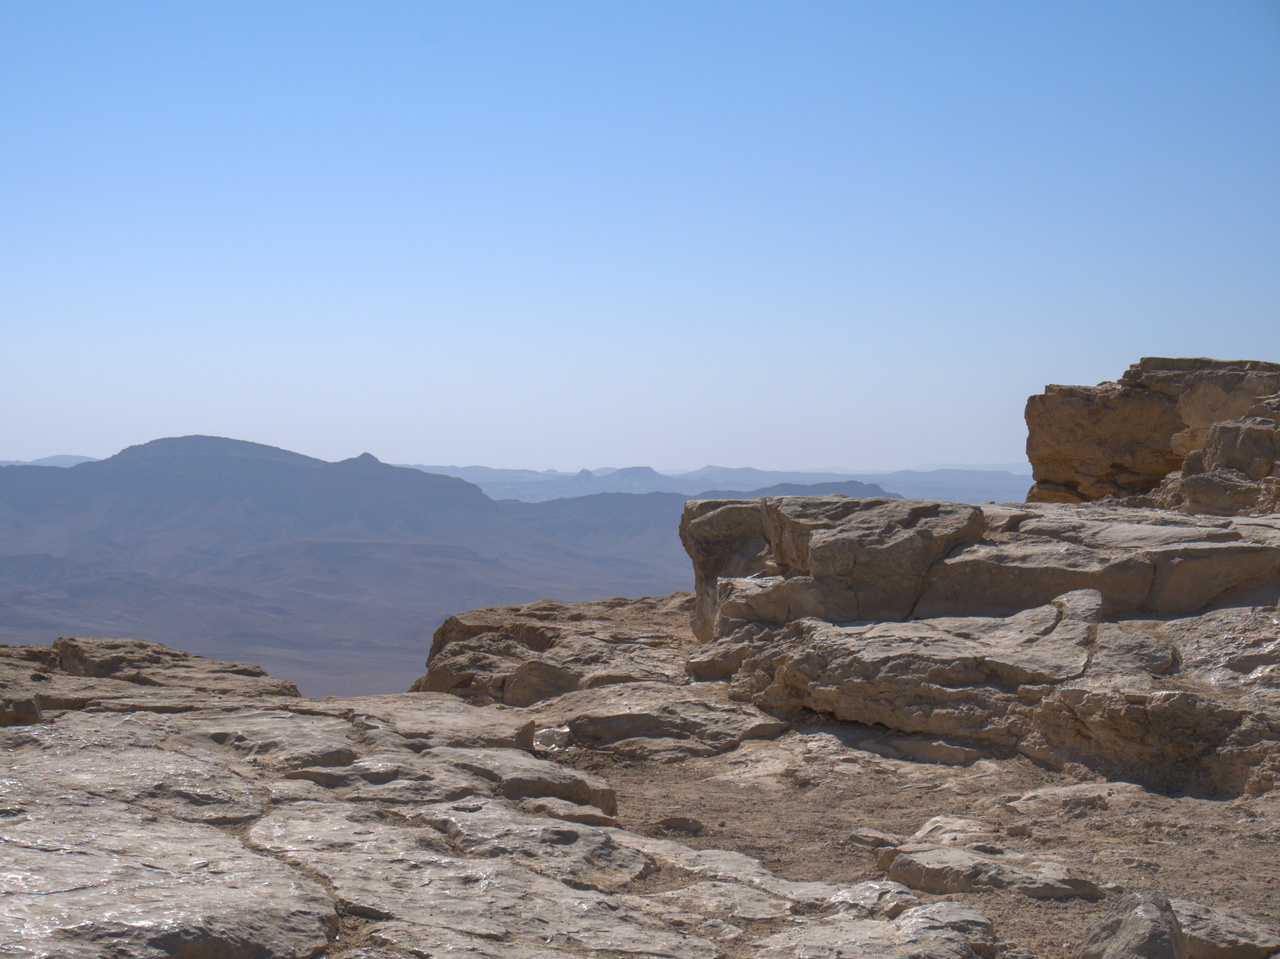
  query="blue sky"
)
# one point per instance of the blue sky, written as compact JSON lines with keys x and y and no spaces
{"x":565,"y":235}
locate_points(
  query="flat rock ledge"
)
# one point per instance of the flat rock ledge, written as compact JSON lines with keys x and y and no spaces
{"x":144,"y":814}
{"x":169,"y":805}
{"x":1141,"y":643}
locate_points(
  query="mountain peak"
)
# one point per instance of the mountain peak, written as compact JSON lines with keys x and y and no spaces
{"x":197,"y":445}
{"x":364,"y":459}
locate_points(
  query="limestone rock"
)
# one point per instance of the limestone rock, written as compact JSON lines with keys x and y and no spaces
{"x":437,"y":719}
{"x":120,"y":674}
{"x":517,"y":775}
{"x":1066,"y":632}
{"x":940,"y":870}
{"x":655,"y":721}
{"x":578,"y":854}
{"x":521,"y":655}
{"x":1221,"y":934}
{"x":836,"y":558}
{"x":1139,"y":926}
{"x":938,"y":933}
{"x":1199,"y":434}
{"x":151,"y":664}
{"x":967,"y":561}
{"x":90,"y":873}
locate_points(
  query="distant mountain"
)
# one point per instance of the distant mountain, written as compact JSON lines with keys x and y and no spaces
{"x":50,"y":461}
{"x":957,"y":485}
{"x":953,"y":485}
{"x":533,"y":487}
{"x":852,"y":488}
{"x":333,"y":575}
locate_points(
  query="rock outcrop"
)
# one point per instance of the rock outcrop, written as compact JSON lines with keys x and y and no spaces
{"x":160,"y":804}
{"x":1069,"y":634}
{"x":1198,"y":435}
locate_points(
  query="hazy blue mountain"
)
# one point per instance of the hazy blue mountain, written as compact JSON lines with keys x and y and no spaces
{"x":49,"y":461}
{"x":955,"y":485}
{"x":334,"y":575}
{"x":534,"y":487}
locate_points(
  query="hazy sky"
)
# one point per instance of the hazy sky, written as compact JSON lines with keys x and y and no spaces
{"x":568,"y":235}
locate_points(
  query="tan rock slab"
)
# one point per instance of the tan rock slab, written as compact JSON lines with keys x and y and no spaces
{"x":941,"y":870}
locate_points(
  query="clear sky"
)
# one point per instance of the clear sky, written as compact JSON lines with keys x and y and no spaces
{"x":565,"y":235}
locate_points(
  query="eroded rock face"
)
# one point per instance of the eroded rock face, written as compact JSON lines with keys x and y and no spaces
{"x":1196,"y":434}
{"x":1067,"y":633}
{"x":843,"y":560}
{"x":521,"y":655}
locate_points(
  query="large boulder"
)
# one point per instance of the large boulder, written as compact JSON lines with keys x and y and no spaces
{"x":1162,"y":417}
{"x":521,"y":655}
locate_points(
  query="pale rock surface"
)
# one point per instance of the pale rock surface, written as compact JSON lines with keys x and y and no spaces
{"x":922,"y":931}
{"x":145,"y":825}
{"x":656,"y":721}
{"x":1222,"y":934}
{"x":940,"y":870}
{"x":1141,"y":925}
{"x":421,"y":824}
{"x":1072,"y":634}
{"x":521,"y":655}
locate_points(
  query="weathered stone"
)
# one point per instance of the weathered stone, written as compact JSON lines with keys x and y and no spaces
{"x":1198,"y":435}
{"x":122,"y":675}
{"x":726,"y":865}
{"x":409,"y":881}
{"x":658,"y":722}
{"x":923,"y":932}
{"x":876,"y":898}
{"x":727,"y":898}
{"x":949,"y":869}
{"x":521,"y":655}
{"x":1222,"y":934}
{"x":1123,"y":438}
{"x":568,"y":811}
{"x":85,"y":877}
{"x":837,"y":558}
{"x":1139,"y":926}
{"x":577,"y":854}
{"x":150,"y":664}
{"x":996,"y":562}
{"x":437,"y":719}
{"x":517,"y":775}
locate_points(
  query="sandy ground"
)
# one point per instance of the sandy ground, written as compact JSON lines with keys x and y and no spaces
{"x":797,"y":804}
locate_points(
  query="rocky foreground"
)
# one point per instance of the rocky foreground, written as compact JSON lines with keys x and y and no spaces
{"x":1080,"y":764}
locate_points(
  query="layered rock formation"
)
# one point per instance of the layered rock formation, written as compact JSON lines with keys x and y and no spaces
{"x":1195,"y":434}
{"x":1068,"y":634}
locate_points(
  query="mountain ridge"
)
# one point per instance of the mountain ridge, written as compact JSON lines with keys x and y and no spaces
{"x":334,"y":574}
